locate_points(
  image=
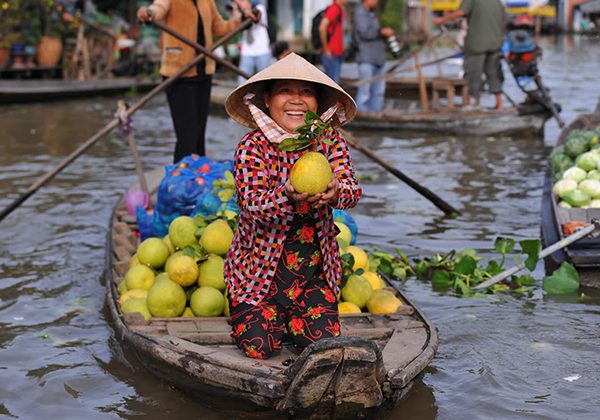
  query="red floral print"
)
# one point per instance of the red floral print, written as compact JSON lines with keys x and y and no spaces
{"x":329,"y":296}
{"x":303,"y":207}
{"x":269,"y":313}
{"x":315,"y":258}
{"x":297,"y":326}
{"x":307,"y":234}
{"x":315,"y":313}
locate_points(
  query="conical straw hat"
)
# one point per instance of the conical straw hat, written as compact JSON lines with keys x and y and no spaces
{"x":291,"y":67}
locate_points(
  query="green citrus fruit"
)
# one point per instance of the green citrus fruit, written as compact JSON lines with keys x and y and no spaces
{"x":217,"y":237}
{"x":182,"y":232}
{"x":183,"y":270}
{"x":153,"y":252}
{"x":357,"y":290}
{"x":311,"y":173}
{"x":212,"y":273}
{"x":166,"y":299}
{"x":139,"y":277}
{"x":207,"y":301}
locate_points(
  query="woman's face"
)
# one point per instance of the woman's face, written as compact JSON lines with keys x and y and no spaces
{"x":288,"y":101}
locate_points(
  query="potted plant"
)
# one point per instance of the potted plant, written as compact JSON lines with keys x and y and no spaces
{"x":9,"y":33}
{"x":49,"y":48}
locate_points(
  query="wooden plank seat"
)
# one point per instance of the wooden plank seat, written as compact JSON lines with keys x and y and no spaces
{"x":449,"y":88}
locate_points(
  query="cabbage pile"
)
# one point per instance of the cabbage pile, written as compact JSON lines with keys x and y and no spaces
{"x":576,"y":169}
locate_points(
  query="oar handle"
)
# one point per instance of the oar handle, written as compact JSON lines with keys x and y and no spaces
{"x":431,"y":196}
{"x":114,"y":123}
{"x":581,"y":233}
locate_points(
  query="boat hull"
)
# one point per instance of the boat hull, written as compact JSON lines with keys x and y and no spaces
{"x":23,"y":91}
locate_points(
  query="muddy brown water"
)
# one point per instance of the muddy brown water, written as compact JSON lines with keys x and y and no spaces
{"x":500,"y":357}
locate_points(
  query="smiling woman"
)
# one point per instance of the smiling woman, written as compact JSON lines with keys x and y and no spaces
{"x":270,"y":295}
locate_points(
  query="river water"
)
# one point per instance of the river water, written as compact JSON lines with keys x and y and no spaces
{"x":499,"y":357}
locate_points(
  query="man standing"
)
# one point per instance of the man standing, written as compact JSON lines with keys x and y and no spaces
{"x":483,"y":43}
{"x":255,"y":48}
{"x":331,"y":31}
{"x":369,"y":38}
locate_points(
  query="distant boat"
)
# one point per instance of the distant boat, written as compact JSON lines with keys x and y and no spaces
{"x":528,"y":120}
{"x":37,"y":90}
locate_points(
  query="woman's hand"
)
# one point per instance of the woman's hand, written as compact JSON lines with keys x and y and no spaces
{"x":330,"y":196}
{"x":144,"y":14}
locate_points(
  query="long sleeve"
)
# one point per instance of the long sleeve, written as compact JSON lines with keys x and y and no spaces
{"x":160,"y":8}
{"x":341,"y":162}
{"x":256,"y":195}
{"x":220,"y":26}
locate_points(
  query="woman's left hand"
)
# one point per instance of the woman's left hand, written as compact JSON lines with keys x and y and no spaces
{"x":330,"y":196}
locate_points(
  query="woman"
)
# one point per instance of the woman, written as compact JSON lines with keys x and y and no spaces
{"x":283,"y":270}
{"x":189,"y":96}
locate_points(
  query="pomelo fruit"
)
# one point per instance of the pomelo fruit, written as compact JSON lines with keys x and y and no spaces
{"x":383,"y":302}
{"x":345,"y":236}
{"x":375,"y":280}
{"x":139,"y":277}
{"x":132,"y":294}
{"x":207,"y":301}
{"x":182,"y":232}
{"x":311,"y":173}
{"x":171,"y":257}
{"x":357,"y":290}
{"x":183,"y":270}
{"x":348,"y":308}
{"x":166,"y":299}
{"x":217,"y":237}
{"x":226,"y":306}
{"x":137,"y":305}
{"x":169,"y":244}
{"x":153,"y":252}
{"x":211,"y":273}
{"x":361,"y":259}
{"x":133,"y":260}
{"x":187,"y":313}
{"x":122,"y":287}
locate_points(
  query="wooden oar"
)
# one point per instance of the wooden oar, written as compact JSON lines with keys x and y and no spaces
{"x":431,"y":196}
{"x":441,"y":204}
{"x":582,"y":233}
{"x":114,"y":123}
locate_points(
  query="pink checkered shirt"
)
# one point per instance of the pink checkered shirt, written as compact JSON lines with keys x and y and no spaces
{"x":261,"y":170}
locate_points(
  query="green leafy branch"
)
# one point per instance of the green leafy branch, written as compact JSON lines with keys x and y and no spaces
{"x":312,"y":131}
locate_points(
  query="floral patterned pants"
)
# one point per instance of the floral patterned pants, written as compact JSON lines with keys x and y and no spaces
{"x":299,"y":302}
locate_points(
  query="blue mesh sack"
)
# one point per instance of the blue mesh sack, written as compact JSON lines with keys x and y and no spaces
{"x":184,"y":186}
{"x":344,"y":217}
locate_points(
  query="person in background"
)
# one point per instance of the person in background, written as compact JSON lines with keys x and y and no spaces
{"x":331,"y":31}
{"x":280,"y":49}
{"x":255,"y":49}
{"x":486,"y":20}
{"x":370,"y":57}
{"x":189,"y":96}
{"x":283,"y":269}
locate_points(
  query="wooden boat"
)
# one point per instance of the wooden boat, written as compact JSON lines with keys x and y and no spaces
{"x":369,"y":368}
{"x":21,"y":91}
{"x":585,"y":253}
{"x":527,"y":120}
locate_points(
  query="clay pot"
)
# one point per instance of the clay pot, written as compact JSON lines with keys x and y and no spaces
{"x":4,"y":57}
{"x":49,"y":51}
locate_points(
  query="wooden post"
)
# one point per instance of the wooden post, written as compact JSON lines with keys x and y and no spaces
{"x":422,"y":86}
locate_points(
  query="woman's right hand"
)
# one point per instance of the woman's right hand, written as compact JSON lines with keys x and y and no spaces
{"x":144,"y":14}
